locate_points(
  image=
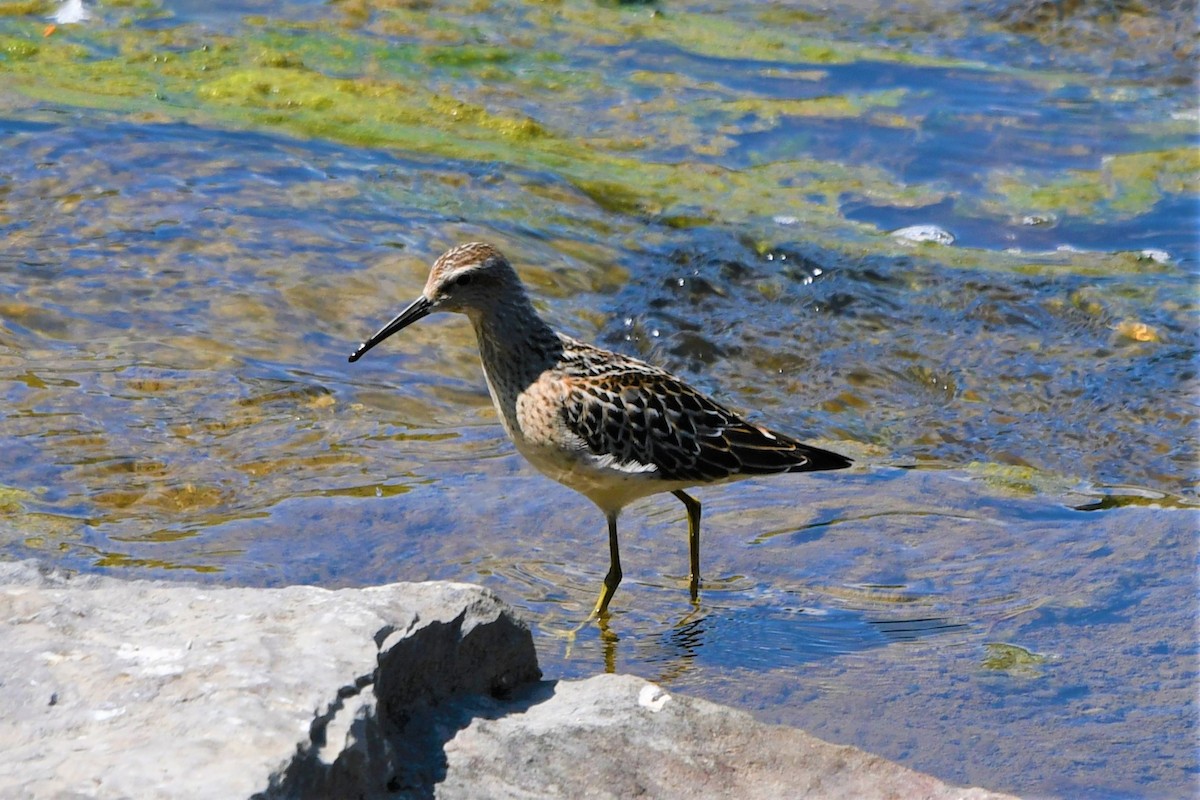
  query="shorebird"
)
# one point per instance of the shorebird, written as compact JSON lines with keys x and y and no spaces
{"x":609,"y":426}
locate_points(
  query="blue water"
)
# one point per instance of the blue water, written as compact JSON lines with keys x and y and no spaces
{"x":177,"y":301}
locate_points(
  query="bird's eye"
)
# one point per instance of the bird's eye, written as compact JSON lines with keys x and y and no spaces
{"x":463,"y":280}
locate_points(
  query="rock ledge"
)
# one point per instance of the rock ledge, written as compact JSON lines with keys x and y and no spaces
{"x":142,"y":689}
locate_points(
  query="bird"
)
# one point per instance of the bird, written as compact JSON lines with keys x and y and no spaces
{"x":611,"y":427}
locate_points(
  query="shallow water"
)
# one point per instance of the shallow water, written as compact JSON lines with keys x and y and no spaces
{"x":1001,"y":593}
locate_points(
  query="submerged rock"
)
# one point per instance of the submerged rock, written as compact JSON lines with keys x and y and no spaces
{"x":149,"y":689}
{"x":924,"y":233}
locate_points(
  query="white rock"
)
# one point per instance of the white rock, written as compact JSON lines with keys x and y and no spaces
{"x":114,"y":689}
{"x":71,"y":12}
{"x":1156,"y":255}
{"x":924,"y":233}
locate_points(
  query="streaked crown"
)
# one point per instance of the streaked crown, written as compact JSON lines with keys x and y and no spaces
{"x":471,"y":276}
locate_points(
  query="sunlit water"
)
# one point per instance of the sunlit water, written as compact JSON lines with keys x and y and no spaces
{"x":1001,"y":593}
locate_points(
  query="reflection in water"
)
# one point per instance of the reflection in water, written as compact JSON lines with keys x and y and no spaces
{"x":609,"y":639}
{"x":762,"y":637}
{"x":908,"y":630}
{"x":685,"y":638}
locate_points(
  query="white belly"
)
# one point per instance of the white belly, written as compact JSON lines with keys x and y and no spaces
{"x":609,"y":486}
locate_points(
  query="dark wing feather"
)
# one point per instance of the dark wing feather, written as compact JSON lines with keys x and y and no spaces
{"x":641,"y":416}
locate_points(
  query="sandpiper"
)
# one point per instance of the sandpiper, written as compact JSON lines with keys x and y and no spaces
{"x":611,"y":427}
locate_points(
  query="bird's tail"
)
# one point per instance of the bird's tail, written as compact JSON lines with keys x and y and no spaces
{"x":817,"y":459}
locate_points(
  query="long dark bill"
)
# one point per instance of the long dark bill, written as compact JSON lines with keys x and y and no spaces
{"x":418,"y":309}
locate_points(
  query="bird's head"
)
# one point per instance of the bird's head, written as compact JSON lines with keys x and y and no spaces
{"x":464,"y":279}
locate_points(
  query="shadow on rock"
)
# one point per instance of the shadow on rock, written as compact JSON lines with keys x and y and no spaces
{"x":386,"y":735}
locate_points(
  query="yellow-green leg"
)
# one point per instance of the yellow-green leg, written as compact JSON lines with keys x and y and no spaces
{"x":613,"y":579}
{"x":693,"y":512}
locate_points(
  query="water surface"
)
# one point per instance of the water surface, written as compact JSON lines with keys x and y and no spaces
{"x":1001,"y":592}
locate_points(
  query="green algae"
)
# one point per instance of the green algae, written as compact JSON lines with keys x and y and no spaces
{"x":13,"y":500}
{"x":1020,"y":480}
{"x":142,"y":69}
{"x":1013,"y":659}
{"x":441,"y":90}
{"x":1127,"y":497}
{"x":769,"y":111}
{"x":17,"y":49}
{"x":715,"y":35}
{"x":1124,"y":186}
{"x":23,"y":8}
